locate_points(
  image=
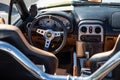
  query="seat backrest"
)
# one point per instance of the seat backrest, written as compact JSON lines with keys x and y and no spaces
{"x":116,"y":47}
{"x":11,"y":69}
{"x":104,"y":56}
{"x":14,"y":36}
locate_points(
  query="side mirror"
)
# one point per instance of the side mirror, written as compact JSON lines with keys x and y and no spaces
{"x":33,"y":10}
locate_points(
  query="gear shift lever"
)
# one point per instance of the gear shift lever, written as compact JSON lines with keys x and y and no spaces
{"x":85,"y":70}
{"x":87,"y":55}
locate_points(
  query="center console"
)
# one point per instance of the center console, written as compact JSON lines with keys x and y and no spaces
{"x":90,"y":38}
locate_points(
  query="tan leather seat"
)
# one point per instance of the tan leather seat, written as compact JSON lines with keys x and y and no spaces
{"x":14,"y":36}
{"x":104,"y":56}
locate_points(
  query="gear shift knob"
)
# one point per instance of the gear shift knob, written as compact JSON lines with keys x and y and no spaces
{"x":87,"y":54}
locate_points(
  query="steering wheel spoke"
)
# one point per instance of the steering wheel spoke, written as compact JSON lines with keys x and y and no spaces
{"x":58,"y":33}
{"x":47,"y":44}
{"x":41,"y":31}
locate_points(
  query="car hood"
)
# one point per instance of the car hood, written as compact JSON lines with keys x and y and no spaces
{"x":52,"y":3}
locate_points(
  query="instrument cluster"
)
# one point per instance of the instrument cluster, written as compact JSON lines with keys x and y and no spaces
{"x":48,"y":23}
{"x":90,"y":33}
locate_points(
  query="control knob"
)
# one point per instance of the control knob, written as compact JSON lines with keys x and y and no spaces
{"x":97,"y":29}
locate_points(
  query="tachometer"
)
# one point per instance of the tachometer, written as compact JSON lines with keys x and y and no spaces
{"x":46,"y":23}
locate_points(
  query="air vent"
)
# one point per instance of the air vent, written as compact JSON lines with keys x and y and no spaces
{"x":83,"y":29}
{"x":98,"y":30}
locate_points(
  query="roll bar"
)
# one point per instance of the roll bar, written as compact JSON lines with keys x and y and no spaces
{"x":34,"y":70}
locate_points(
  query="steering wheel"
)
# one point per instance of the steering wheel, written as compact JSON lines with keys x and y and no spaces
{"x":49,"y":30}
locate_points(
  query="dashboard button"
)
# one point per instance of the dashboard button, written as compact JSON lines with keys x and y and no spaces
{"x":90,"y":29}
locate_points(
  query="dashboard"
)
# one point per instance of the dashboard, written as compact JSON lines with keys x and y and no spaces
{"x":96,"y":32}
{"x":89,"y":28}
{"x":79,"y":29}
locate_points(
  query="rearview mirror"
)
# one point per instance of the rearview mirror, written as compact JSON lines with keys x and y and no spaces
{"x":33,"y":10}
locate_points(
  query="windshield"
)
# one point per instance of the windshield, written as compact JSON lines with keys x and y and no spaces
{"x":4,"y":9}
{"x":28,"y":3}
{"x":4,"y":4}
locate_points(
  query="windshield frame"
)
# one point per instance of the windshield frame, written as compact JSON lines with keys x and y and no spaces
{"x":21,"y":7}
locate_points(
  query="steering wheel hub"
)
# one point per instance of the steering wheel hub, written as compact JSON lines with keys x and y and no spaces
{"x":49,"y":34}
